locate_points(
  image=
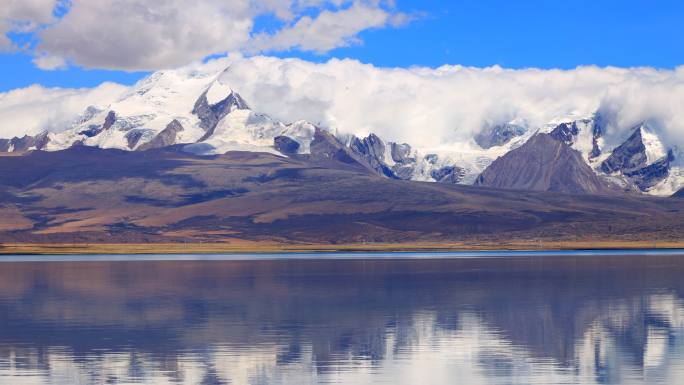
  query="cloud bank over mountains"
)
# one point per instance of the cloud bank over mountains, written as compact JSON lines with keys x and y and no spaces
{"x":34,"y":109}
{"x":450,"y":104}
{"x":429,"y":108}
{"x":135,"y":35}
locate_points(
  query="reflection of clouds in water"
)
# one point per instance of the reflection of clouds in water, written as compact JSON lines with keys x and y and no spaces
{"x":634,"y":341}
{"x":640,"y":337}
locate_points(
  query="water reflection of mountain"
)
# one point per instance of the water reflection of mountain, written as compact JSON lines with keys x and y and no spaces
{"x":617,"y":320}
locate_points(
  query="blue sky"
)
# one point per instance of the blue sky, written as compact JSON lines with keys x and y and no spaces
{"x":513,"y":34}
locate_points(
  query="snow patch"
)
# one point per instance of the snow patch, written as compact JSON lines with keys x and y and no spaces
{"x":675,"y":179}
{"x":584,"y":141}
{"x":247,"y":129}
{"x":655,"y":150}
{"x":387,"y":155}
{"x":217,"y":92}
{"x":222,"y":147}
{"x":303,"y":132}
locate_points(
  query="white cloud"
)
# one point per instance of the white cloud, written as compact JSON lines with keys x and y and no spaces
{"x":437,"y":107}
{"x":426,"y":107}
{"x":49,"y":62}
{"x":140,"y":35}
{"x":33,"y":109}
{"x":23,"y":16}
{"x":144,"y":35}
{"x":328,"y":30}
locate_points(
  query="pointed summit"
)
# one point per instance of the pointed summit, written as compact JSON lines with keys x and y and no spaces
{"x":211,"y":113}
{"x":642,"y":148}
{"x":543,"y":163}
{"x":654,"y":148}
{"x":234,"y":102}
{"x":642,"y":158}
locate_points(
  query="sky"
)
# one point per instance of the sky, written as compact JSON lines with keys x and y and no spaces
{"x":57,"y":43}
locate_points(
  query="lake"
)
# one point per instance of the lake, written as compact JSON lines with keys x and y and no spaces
{"x":408,"y":318}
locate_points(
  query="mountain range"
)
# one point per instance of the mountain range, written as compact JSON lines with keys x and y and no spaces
{"x":196,"y":108}
{"x":182,"y":156}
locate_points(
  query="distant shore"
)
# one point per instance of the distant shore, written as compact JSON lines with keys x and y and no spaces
{"x":257,"y":247}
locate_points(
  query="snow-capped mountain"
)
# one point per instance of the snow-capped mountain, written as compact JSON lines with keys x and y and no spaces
{"x":544,"y":163}
{"x":195,"y":109}
{"x":641,"y":160}
{"x":644,"y":160}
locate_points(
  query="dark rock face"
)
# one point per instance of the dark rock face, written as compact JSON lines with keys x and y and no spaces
{"x":165,"y":138}
{"x":211,"y":114}
{"x":41,"y":140}
{"x":204,"y":112}
{"x":25,"y":143}
{"x":628,"y":156}
{"x":326,"y":147}
{"x":595,"y":149}
{"x":362,"y":153}
{"x":404,"y":172}
{"x":565,"y":132}
{"x":631,"y":161}
{"x":4,"y":145}
{"x":498,"y":135}
{"x":598,"y":130}
{"x":286,"y":145}
{"x":649,"y":176}
{"x":679,"y":194}
{"x":95,"y":130}
{"x":448,"y":174}
{"x":401,"y":153}
{"x":21,"y":144}
{"x":543,"y":164}
{"x":404,"y":163}
{"x":568,"y":132}
{"x":92,"y":130}
{"x":133,"y":137}
{"x":372,"y":150}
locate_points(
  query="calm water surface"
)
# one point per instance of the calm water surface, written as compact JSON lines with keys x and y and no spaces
{"x":616,"y":319}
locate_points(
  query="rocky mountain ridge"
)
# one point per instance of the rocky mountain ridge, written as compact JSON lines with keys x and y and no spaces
{"x":544,"y":163}
{"x":641,"y":163}
{"x":220,"y":120}
{"x":197,"y":110}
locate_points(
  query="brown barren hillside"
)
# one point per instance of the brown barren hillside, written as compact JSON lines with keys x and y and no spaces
{"x":85,"y":196}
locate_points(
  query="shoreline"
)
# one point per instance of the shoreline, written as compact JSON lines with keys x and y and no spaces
{"x":272,"y":248}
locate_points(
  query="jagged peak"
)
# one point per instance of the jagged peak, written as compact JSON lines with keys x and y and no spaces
{"x":654,"y":149}
{"x":566,"y":132}
{"x":230,"y":99}
{"x":371,"y":138}
{"x":237,"y":101}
